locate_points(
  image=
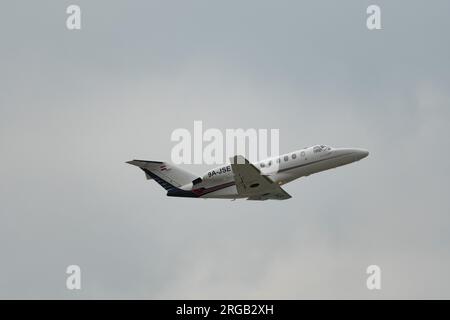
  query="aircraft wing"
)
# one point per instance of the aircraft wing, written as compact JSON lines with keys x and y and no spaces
{"x":250,"y":182}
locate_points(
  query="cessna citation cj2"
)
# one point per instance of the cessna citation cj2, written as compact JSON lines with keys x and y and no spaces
{"x":242,"y":179}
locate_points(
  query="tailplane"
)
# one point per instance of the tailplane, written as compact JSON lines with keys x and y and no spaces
{"x":167,"y":175}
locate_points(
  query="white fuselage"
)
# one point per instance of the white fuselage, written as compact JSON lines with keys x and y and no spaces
{"x":219,"y":182}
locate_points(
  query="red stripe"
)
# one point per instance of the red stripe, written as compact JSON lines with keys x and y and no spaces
{"x":203,"y":191}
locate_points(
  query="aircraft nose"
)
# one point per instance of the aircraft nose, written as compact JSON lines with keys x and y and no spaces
{"x":363,"y":153}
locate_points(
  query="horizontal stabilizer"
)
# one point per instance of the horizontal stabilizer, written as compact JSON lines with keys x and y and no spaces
{"x":167,"y":175}
{"x":144,"y":163}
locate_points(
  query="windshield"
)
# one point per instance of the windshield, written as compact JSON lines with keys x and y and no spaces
{"x":321,"y":148}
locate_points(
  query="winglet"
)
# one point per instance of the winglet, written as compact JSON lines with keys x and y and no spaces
{"x":238,"y":159}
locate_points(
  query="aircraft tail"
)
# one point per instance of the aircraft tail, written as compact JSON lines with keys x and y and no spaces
{"x":167,"y":175}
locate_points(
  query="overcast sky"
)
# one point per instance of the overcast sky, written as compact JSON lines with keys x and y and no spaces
{"x":75,"y":105}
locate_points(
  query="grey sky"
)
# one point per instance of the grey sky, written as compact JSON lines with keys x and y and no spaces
{"x":74,"y":106}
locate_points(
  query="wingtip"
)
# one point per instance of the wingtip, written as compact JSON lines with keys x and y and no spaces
{"x":238,"y":159}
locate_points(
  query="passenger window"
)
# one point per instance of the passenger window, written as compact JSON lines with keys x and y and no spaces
{"x":269,"y":164}
{"x":294,"y":156}
{"x":262,"y":165}
{"x":286,"y":158}
{"x":303,"y":154}
{"x":278,"y":160}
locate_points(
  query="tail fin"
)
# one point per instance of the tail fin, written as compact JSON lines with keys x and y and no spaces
{"x":167,"y":175}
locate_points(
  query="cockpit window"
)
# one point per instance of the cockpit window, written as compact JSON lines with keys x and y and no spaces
{"x":321,"y":148}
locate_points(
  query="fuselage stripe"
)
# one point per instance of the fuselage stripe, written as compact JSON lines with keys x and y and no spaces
{"x":314,"y":162}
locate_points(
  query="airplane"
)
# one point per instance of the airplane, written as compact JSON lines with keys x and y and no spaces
{"x":242,"y":179}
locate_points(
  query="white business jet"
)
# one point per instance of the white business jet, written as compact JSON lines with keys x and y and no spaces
{"x":242,"y":179}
